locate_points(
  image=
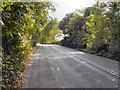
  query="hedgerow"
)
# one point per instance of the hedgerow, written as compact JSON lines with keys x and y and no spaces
{"x":22,"y":26}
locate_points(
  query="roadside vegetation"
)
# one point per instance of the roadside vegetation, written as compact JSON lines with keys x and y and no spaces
{"x":23,"y":25}
{"x":94,"y":30}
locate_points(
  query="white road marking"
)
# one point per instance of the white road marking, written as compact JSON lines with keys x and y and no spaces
{"x":88,"y":62}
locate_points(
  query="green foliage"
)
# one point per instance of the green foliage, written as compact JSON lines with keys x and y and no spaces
{"x":12,"y":59}
{"x":40,"y":19}
{"x":88,"y":11}
{"x":97,"y":30}
{"x":51,"y":31}
{"x":97,"y":25}
{"x":72,"y":26}
{"x":64,"y":24}
{"x":103,"y":28}
{"x":22,"y":28}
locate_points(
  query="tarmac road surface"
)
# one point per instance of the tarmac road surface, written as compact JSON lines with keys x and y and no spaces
{"x":55,"y":66}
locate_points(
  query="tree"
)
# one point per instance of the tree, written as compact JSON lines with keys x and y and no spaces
{"x":98,"y":29}
{"x":72,"y":26}
{"x":50,"y":31}
{"x":65,"y":22}
{"x":22,"y":24}
{"x":88,"y":11}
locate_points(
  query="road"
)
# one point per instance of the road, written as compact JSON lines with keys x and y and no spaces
{"x":55,"y":66}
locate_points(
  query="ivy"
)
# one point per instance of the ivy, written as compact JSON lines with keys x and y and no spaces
{"x":22,"y":26}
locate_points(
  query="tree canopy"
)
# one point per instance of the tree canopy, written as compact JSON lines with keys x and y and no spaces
{"x":97,"y":29}
{"x":24,"y":25}
{"x":27,"y":23}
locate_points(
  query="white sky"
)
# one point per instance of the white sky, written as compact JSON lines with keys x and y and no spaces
{"x":68,"y":6}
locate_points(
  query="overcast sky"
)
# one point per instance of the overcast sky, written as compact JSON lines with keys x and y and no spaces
{"x":67,"y":6}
